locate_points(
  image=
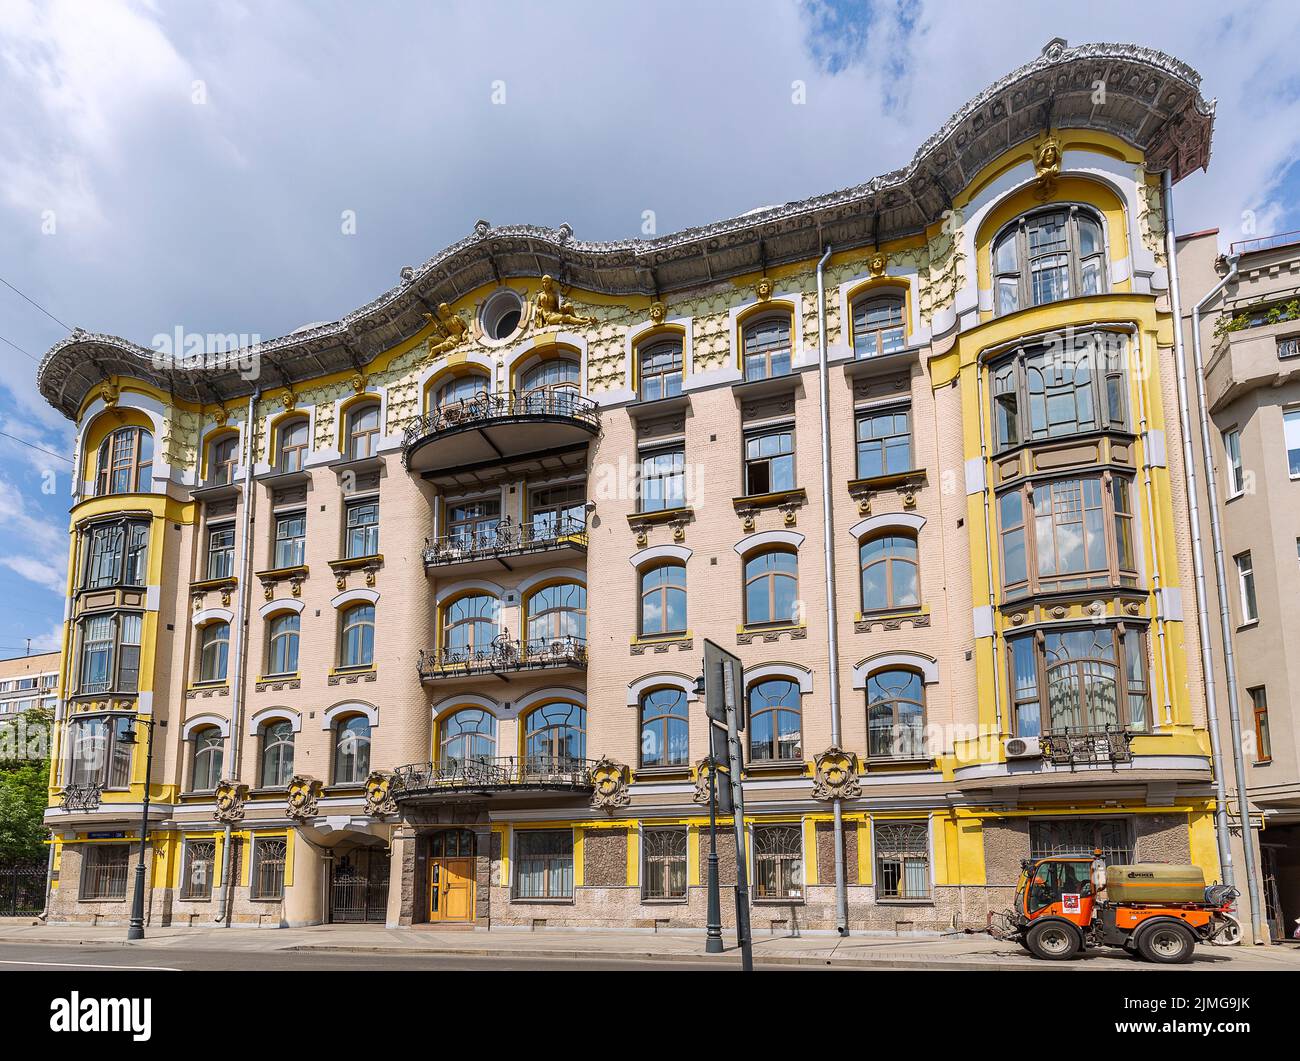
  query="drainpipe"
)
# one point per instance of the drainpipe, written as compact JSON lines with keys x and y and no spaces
{"x":239,"y":632}
{"x":828,"y":557}
{"x":1225,"y":619}
{"x":1198,"y":562}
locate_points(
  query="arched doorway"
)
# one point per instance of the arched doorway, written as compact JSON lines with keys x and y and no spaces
{"x":451,"y":875}
{"x":359,"y":885}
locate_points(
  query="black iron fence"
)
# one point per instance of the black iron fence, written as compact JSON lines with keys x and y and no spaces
{"x":505,"y":537}
{"x":22,"y":887}
{"x":1087,"y":747}
{"x":504,"y":655}
{"x":484,"y":772}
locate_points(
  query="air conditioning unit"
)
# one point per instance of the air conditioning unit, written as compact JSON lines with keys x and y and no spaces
{"x":1023,"y":748}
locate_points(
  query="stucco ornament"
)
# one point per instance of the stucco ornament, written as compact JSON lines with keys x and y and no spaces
{"x":610,"y":780}
{"x":658,"y":312}
{"x":379,"y":793}
{"x":1047,"y":166}
{"x":288,"y":399}
{"x":230,"y":801}
{"x":837,"y":775}
{"x":108,"y":395}
{"x":220,"y":416}
{"x":702,"y":769}
{"x":303,"y":794}
{"x":764,"y":289}
{"x":551,"y":308}
{"x":451,"y":329}
{"x":876,"y":264}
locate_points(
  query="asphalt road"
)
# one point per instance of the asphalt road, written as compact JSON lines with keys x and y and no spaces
{"x":24,"y":957}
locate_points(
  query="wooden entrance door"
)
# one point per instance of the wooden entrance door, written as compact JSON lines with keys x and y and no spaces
{"x":451,"y":875}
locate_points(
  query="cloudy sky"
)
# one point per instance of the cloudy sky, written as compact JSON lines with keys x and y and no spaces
{"x":177,"y":163}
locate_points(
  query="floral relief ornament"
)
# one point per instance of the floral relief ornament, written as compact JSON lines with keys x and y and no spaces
{"x":304,"y":792}
{"x":230,"y":801}
{"x":610,"y":781}
{"x":837,"y":775}
{"x":379,"y":794}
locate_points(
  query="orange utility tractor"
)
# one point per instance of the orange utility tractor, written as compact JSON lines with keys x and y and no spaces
{"x":1066,"y":905}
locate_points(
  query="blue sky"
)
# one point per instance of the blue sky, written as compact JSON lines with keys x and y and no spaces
{"x":170,"y":164}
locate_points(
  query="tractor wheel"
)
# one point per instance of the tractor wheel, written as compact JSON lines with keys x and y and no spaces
{"x":1053,"y":941}
{"x":1167,"y":943}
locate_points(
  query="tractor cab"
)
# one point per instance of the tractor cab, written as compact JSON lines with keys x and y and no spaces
{"x":1061,"y":887}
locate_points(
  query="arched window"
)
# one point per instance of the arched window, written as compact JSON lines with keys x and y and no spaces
{"x":223,"y":459}
{"x":664,"y":739}
{"x":277,"y":754}
{"x":207,"y":757}
{"x":895,"y":715}
{"x":775,"y":721}
{"x":1047,"y":256}
{"x":459,"y":390}
{"x":889,"y":572}
{"x":468,"y":736}
{"x":358,"y":641}
{"x":550,"y":386}
{"x":292,"y":451}
{"x":214,"y":651}
{"x":363,"y":430}
{"x":126,"y":461}
{"x":556,"y":613}
{"x":771,"y":587}
{"x":555,"y":737}
{"x":663,"y":600}
{"x":767,"y":346}
{"x":469,"y":625}
{"x":878,"y":325}
{"x":351,"y":750}
{"x":659,"y":369}
{"x":282,"y":646}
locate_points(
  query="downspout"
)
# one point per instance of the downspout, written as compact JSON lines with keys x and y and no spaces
{"x":828,"y":562}
{"x":1198,"y":563}
{"x":1225,"y":620}
{"x":239,"y":632}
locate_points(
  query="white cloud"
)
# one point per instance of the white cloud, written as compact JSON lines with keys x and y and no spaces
{"x":45,"y":574}
{"x":28,"y":529}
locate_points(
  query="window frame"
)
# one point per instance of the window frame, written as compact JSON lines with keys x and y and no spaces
{"x":365,"y":645}
{"x":1247,"y":588}
{"x":93,"y":855}
{"x":769,"y":350}
{"x":288,"y":550}
{"x":775,"y":708}
{"x":1130,"y":656}
{"x":223,"y":459}
{"x":897,"y":299}
{"x":135,"y":461}
{"x":446,"y":738}
{"x":771,"y":577}
{"x":215,"y":753}
{"x":187,"y":892}
{"x":567,"y":610}
{"x":1233,"y":467}
{"x":113,"y":772}
{"x":346,"y":730}
{"x":883,"y":444}
{"x":209,"y":639}
{"x":662,"y":865}
{"x":123,"y":655}
{"x":664,"y":591}
{"x":294,"y":636}
{"x":553,"y":864}
{"x":277,"y":863}
{"x":219,"y":561}
{"x":669,"y":375}
{"x":667,"y":720}
{"x":290,"y":455}
{"x":675,"y":474}
{"x":366,"y":533}
{"x":904,"y":746}
{"x":1076,"y":263}
{"x":275,"y":735}
{"x":129,"y":552}
{"x":353,"y":433}
{"x":483,"y":626}
{"x":897,"y":852}
{"x":1289,"y":417}
{"x":1263,"y":732}
{"x":890,"y":561}
{"x":788,"y":863}
{"x":759,"y":466}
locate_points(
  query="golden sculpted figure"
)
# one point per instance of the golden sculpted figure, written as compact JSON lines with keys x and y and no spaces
{"x":549,"y":308}
{"x":450,"y":326}
{"x":1047,"y":166}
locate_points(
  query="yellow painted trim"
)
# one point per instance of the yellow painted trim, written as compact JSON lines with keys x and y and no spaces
{"x":810,"y":868}
{"x":579,"y":856}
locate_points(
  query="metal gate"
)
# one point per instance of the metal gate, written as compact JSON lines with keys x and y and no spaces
{"x":359,"y":886}
{"x":22,"y":888}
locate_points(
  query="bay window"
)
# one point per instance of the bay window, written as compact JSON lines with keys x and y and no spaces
{"x":1067,"y":534}
{"x":97,"y":753}
{"x":1069,"y":384}
{"x":126,"y":462}
{"x":1079,"y":679}
{"x":116,"y":554}
{"x":109,"y":657}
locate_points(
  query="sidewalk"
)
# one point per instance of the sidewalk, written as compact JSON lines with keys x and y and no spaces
{"x":867,"y":952}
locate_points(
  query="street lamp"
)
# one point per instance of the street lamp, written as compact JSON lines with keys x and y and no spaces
{"x":136,"y":928}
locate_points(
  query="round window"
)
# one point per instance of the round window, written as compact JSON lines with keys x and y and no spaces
{"x":501,"y":314}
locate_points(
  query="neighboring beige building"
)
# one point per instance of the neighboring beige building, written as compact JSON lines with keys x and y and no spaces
{"x":415,"y":600}
{"x":1250,"y":337}
{"x":27,"y":682}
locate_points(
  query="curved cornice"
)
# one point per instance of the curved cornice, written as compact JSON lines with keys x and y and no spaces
{"x":1153,"y":102}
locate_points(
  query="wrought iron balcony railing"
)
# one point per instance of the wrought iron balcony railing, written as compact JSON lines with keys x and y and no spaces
{"x":504,"y":655}
{"x":489,"y":772}
{"x":484,"y":408}
{"x":506,"y":538}
{"x":1078,"y":746}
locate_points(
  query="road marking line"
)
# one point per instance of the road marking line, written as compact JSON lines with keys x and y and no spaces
{"x":86,"y":965}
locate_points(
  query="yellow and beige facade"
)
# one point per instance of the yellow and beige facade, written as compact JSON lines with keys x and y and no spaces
{"x":416,"y":600}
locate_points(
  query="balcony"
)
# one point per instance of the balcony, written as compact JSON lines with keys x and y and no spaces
{"x":503,"y":657}
{"x":507,"y":544}
{"x":1081,"y":746}
{"x":487,"y":775}
{"x":455,"y":444}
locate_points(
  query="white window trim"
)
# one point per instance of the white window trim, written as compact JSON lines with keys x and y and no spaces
{"x":350,"y":707}
{"x":274,"y":714}
{"x":204,"y":722}
{"x":660,"y":680}
{"x":917,"y":661}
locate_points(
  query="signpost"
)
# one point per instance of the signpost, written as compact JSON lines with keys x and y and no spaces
{"x":723,"y":687}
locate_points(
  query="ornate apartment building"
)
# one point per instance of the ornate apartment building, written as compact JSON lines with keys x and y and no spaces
{"x":415,"y":601}
{"x":1250,"y":351}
